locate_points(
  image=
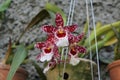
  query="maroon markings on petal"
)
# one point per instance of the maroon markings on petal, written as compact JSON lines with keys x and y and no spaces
{"x":48,"y":28}
{"x":81,"y":49}
{"x":75,"y":39}
{"x":71,"y":28}
{"x":73,"y":51}
{"x":50,"y":38}
{"x":79,"y":37}
{"x":47,"y":50}
{"x":59,"y":20}
{"x":61,"y":33}
{"x":71,"y":38}
{"x":56,"y":52}
{"x":40,"y":45}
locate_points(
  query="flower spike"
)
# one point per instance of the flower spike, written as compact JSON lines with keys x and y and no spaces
{"x":60,"y":36}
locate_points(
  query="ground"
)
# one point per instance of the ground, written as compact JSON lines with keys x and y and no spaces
{"x":20,"y":13}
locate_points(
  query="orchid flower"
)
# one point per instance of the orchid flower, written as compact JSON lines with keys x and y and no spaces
{"x":60,"y":32}
{"x":59,"y":36}
{"x":75,"y":49}
{"x":48,"y":48}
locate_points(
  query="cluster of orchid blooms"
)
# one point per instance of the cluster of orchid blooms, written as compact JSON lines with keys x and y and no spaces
{"x":59,"y":36}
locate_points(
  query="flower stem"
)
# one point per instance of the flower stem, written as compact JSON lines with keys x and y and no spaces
{"x":7,"y":53}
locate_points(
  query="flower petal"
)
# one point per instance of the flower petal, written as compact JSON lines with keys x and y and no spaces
{"x":74,"y":61}
{"x":71,"y":28}
{"x":50,"y":38}
{"x":75,"y":39}
{"x":59,"y":20}
{"x":46,"y":57}
{"x":56,"y":52}
{"x":71,"y":38}
{"x":50,"y":65}
{"x":61,"y":42}
{"x":40,"y":45}
{"x":46,"y":69}
{"x":81,"y":49}
{"x":48,"y":28}
{"x":79,"y":37}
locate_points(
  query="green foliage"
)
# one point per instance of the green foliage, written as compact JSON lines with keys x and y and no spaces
{"x":18,"y":58}
{"x":35,"y":20}
{"x":117,"y":46}
{"x":101,"y":31}
{"x":21,"y":52}
{"x":39,"y":71}
{"x":51,"y":10}
{"x":3,"y":7}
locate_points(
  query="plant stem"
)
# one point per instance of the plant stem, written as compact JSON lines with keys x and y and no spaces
{"x":102,"y":30}
{"x":7,"y":53}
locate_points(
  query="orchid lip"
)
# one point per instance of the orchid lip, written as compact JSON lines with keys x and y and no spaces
{"x":47,"y":50}
{"x":73,"y":52}
{"x":60,"y":33}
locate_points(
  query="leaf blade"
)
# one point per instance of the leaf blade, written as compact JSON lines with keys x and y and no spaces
{"x":39,"y":71}
{"x":4,"y":5}
{"x":39,"y":17}
{"x":19,"y":56}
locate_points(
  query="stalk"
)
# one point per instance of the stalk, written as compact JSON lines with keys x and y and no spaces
{"x":7,"y":53}
{"x":102,"y":31}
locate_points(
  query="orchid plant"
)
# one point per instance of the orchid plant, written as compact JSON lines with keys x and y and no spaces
{"x":59,"y":36}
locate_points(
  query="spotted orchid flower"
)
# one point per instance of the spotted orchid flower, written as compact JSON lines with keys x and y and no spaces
{"x":60,"y":32}
{"x":75,"y":49}
{"x":59,"y":36}
{"x":48,"y":49}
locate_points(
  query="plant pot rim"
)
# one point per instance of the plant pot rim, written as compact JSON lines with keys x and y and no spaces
{"x":20,"y":70}
{"x":113,"y":64}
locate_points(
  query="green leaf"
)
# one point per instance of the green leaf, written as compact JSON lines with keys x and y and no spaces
{"x":111,"y":41}
{"x":39,"y":71}
{"x":85,"y":27}
{"x":39,"y":17}
{"x":55,"y":9}
{"x":105,"y":59}
{"x":18,"y":58}
{"x":101,"y":31}
{"x":4,"y":5}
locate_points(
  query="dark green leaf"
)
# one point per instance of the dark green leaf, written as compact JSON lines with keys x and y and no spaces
{"x":18,"y":58}
{"x":4,"y":5}
{"x":39,"y":17}
{"x":105,"y":59}
{"x":55,"y":9}
{"x":39,"y":71}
